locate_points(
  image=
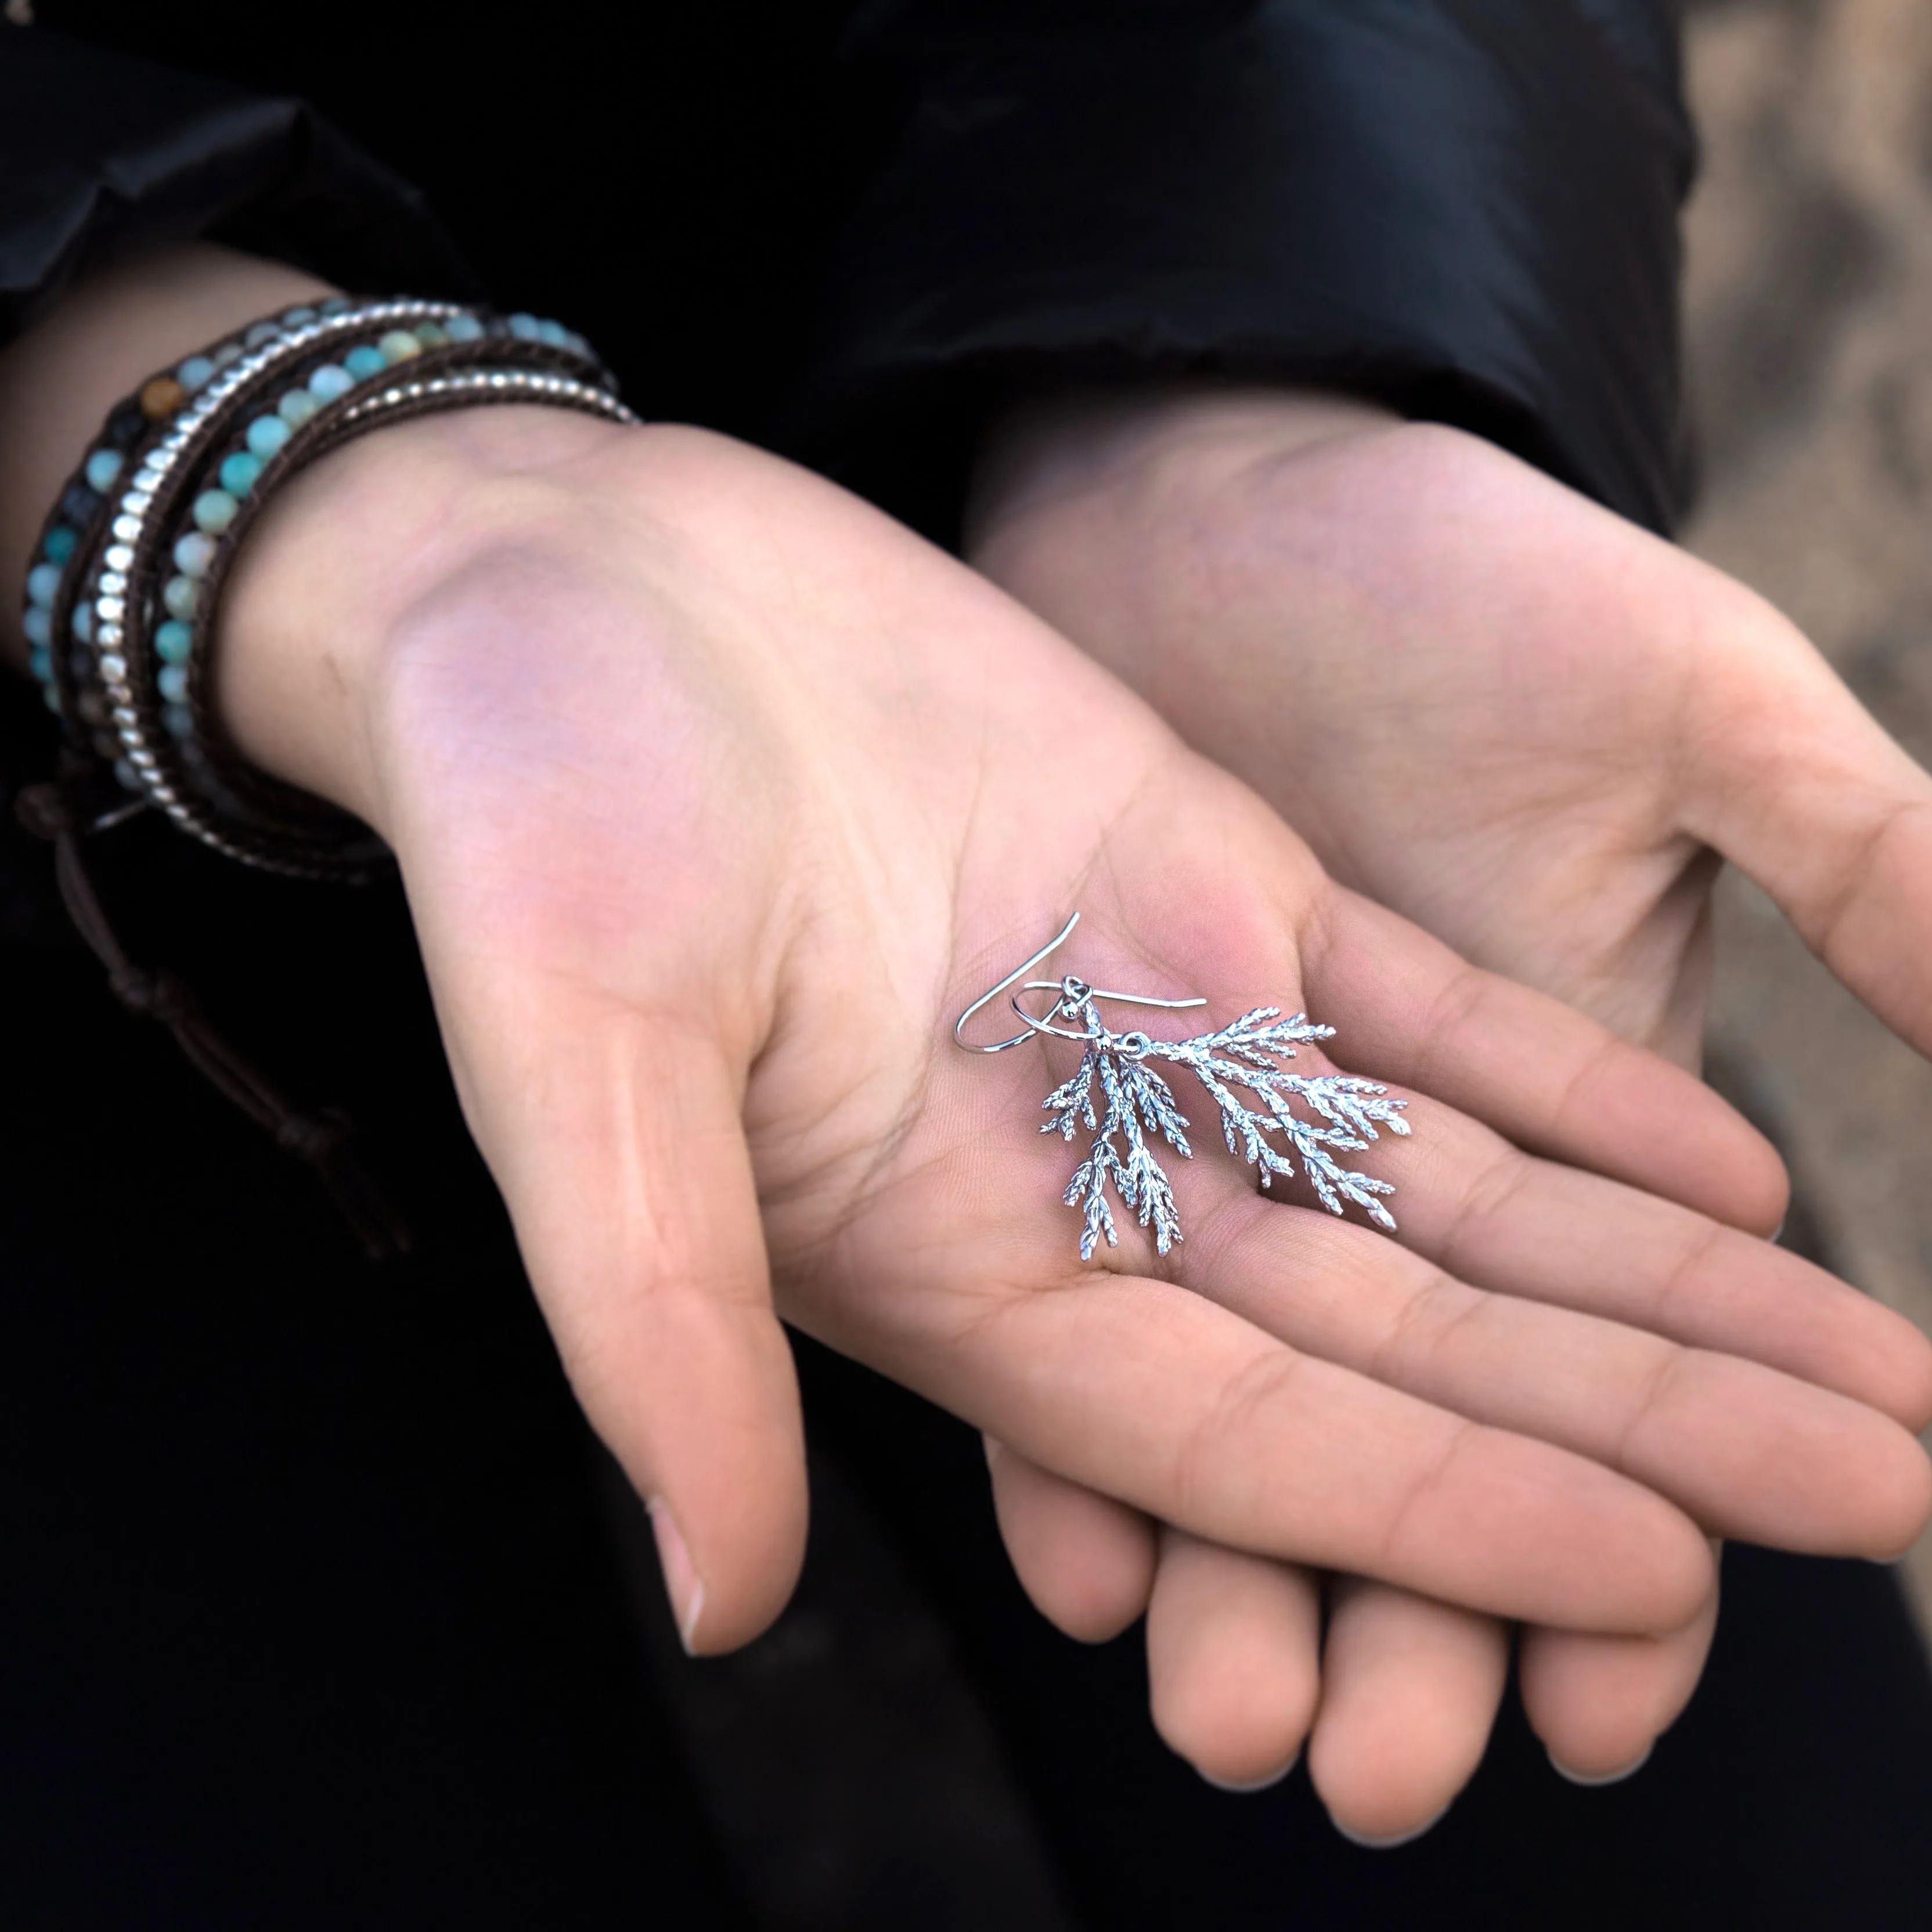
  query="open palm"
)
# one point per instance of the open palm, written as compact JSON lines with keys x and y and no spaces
{"x":716,"y":795}
{"x":1501,"y":711}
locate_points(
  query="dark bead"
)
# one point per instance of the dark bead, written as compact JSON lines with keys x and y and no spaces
{"x":79,"y":503}
{"x":107,"y":745}
{"x":125,"y":426}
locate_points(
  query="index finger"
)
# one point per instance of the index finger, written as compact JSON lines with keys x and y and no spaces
{"x":1147,"y":1392}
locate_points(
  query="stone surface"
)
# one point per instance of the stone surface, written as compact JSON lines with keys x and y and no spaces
{"x":1809,"y":310}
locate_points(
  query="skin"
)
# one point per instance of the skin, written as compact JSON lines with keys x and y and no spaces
{"x":1534,"y":729}
{"x":716,"y":795}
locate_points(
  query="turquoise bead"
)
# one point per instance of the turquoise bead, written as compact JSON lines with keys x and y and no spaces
{"x":103,"y":466}
{"x":214,"y":510}
{"x":295,"y":317}
{"x":241,"y":470}
{"x":523,"y":327}
{"x":259,"y":333}
{"x":39,"y":626}
{"x":464,"y":329}
{"x":60,"y":544}
{"x":195,"y":372}
{"x":171,"y":681}
{"x":398,"y":346}
{"x":180,"y":594}
{"x":41,"y":664}
{"x":44,"y":583}
{"x":337,"y":305}
{"x":174,"y":642}
{"x":554,"y":333}
{"x":364,"y":361}
{"x":194,"y":553}
{"x":296,"y":407}
{"x":330,"y":381}
{"x":227,"y":355}
{"x":81,"y":624}
{"x":266,"y":434}
{"x":431,"y":335}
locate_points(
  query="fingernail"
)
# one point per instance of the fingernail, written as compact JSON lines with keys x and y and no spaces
{"x":1368,"y":1844}
{"x":1590,"y":1781}
{"x":1241,"y":1790}
{"x":681,"y":1582}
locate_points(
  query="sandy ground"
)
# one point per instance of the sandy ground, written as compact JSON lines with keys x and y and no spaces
{"x":1809,"y":306}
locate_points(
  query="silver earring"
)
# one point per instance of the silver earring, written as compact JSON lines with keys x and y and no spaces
{"x":1241,"y":1055}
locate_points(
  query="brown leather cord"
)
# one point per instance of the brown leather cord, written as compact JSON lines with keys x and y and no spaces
{"x":55,"y":811}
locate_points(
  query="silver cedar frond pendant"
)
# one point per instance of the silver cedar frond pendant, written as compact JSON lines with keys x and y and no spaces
{"x":1119,"y":1097}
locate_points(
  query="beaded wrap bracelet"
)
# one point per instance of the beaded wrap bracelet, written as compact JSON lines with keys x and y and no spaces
{"x":144,"y":585}
{"x":124,"y":593}
{"x":72,"y":530}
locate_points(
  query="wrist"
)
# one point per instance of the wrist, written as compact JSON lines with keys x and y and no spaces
{"x":1129,"y":442}
{"x":331,"y":589}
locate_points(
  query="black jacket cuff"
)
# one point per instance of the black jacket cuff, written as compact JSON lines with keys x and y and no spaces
{"x":1467,"y":208}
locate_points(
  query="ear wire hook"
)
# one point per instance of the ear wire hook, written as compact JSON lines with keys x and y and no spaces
{"x":1064,"y":987}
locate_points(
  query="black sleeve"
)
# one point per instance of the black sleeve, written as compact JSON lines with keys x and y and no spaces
{"x":1467,"y":208}
{"x":102,"y":154}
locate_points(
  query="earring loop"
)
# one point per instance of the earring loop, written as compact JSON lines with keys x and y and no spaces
{"x":1053,"y":945}
{"x":1064,"y":987}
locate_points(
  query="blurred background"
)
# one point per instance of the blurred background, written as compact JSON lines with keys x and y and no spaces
{"x":1809,"y":337}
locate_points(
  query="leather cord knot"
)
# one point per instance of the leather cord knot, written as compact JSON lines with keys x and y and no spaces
{"x":315,"y":1137}
{"x":45,"y":810}
{"x":159,"y":995}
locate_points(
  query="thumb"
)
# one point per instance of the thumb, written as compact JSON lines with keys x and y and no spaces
{"x":624,"y":1163}
{"x":1788,"y":775}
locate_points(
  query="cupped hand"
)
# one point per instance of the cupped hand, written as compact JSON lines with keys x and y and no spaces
{"x":1513,"y":717}
{"x":716,"y":795}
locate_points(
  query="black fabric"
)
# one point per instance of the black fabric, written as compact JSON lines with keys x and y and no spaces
{"x":102,"y":154}
{"x":1465,"y":207}
{"x":1467,"y":210}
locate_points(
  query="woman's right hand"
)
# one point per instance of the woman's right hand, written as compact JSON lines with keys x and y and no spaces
{"x":717,"y":796}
